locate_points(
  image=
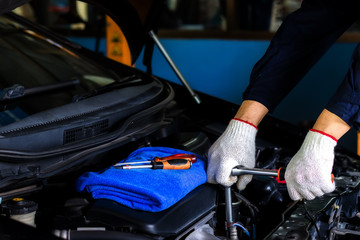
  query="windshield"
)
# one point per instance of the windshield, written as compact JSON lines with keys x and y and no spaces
{"x":30,"y":60}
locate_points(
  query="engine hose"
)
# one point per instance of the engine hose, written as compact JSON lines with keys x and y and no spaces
{"x":252,"y":208}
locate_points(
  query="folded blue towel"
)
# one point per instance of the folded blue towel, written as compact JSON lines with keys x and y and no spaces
{"x":144,"y":189}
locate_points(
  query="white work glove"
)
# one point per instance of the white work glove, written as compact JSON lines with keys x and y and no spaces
{"x":236,"y":146}
{"x":308,"y":175}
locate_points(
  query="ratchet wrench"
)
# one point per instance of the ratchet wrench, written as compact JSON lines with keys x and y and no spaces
{"x":279,"y":174}
{"x":238,"y":171}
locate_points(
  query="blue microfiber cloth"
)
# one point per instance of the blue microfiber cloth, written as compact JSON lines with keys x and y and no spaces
{"x":144,"y":189}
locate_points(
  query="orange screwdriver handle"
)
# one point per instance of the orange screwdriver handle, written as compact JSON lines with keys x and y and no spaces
{"x":175,"y":164}
{"x":189,"y":157}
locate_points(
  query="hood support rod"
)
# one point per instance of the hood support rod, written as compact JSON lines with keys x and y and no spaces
{"x":173,"y":66}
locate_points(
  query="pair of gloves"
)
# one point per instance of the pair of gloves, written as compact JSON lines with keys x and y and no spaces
{"x":308,"y":175}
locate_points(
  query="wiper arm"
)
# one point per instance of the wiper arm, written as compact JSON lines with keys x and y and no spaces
{"x":18,"y":91}
{"x":130,"y":81}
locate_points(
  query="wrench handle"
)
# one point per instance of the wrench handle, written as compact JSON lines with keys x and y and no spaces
{"x":278,"y":173}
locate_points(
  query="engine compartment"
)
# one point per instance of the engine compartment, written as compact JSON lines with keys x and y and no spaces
{"x":262,"y":211}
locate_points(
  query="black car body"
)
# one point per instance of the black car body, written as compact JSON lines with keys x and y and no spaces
{"x":66,"y":110}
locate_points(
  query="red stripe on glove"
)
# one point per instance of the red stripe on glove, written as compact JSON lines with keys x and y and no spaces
{"x":237,"y":119}
{"x":323,"y":133}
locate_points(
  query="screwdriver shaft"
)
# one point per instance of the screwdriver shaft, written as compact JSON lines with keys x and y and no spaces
{"x":136,"y":166}
{"x":128,"y":163}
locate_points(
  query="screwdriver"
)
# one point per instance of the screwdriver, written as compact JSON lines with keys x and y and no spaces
{"x":183,"y":156}
{"x":173,"y":164}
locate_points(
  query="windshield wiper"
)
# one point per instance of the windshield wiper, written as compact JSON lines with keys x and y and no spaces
{"x":126,"y":82}
{"x":19,"y":91}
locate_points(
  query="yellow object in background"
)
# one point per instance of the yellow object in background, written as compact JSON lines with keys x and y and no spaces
{"x":358,"y":143}
{"x":117,"y":47}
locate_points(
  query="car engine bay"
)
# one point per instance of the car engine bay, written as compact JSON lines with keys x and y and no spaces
{"x":262,"y":211}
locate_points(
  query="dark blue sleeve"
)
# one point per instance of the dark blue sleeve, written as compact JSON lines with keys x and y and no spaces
{"x":299,"y":43}
{"x":345,"y":103}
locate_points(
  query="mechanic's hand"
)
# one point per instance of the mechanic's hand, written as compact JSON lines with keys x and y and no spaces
{"x":236,"y":146}
{"x":308,"y":175}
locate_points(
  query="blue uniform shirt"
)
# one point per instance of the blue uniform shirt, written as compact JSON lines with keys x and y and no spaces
{"x":300,"y":42}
